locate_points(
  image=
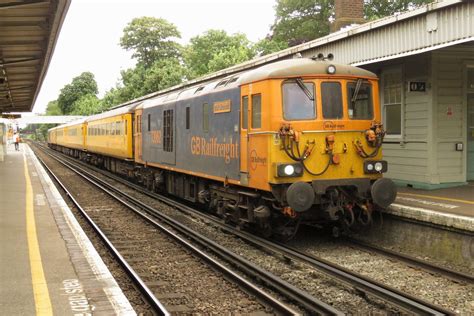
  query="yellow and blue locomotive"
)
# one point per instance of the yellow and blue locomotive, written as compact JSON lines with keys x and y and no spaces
{"x":293,"y":142}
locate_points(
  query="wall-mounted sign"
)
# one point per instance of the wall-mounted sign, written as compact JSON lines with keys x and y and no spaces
{"x":449,"y":111}
{"x":11,"y":116}
{"x":222,"y":106}
{"x":416,"y":86}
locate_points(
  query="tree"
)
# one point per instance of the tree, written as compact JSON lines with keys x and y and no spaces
{"x":80,"y":86}
{"x":375,"y":9}
{"x":87,"y":105}
{"x":215,"y":50}
{"x":52,"y":108}
{"x":140,"y":81}
{"x":151,"y":39}
{"x":267,"y":46}
{"x":300,"y":21}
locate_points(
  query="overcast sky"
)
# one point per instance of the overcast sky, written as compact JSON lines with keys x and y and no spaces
{"x":89,"y":38}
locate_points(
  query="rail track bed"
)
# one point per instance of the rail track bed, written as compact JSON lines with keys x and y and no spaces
{"x":181,"y":282}
{"x":429,"y":294}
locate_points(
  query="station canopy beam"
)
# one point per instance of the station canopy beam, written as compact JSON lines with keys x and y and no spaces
{"x":29,"y":30}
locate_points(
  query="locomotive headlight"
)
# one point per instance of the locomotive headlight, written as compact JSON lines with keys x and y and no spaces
{"x":331,"y":69}
{"x":378,"y":166}
{"x":289,"y":170}
{"x":375,"y":166}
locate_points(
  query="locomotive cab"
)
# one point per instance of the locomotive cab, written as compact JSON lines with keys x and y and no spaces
{"x":311,"y":134}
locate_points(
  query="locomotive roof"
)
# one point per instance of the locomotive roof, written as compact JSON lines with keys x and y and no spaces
{"x":300,"y":67}
{"x":290,"y":68}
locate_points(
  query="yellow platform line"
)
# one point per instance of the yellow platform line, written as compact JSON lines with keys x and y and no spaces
{"x":40,"y":287}
{"x":437,"y":198}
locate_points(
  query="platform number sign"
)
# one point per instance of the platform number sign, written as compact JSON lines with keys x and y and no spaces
{"x":416,"y":86}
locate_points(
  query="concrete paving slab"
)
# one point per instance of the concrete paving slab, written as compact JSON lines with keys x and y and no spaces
{"x":63,"y":248}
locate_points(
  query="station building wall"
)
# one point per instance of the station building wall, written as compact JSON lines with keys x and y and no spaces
{"x":425,"y":126}
{"x":450,"y":66}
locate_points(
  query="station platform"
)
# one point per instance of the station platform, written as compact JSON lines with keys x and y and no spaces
{"x":451,"y":207}
{"x":47,"y":264}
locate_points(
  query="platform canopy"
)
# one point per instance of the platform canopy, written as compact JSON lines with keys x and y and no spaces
{"x":29,"y":30}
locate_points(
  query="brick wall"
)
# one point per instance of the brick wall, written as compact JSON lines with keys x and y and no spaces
{"x":348,"y":12}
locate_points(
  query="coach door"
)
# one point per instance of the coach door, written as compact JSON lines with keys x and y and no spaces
{"x":258,"y":138}
{"x":470,"y":124}
{"x":244,"y":114}
{"x":137,"y":135}
{"x":169,"y":134}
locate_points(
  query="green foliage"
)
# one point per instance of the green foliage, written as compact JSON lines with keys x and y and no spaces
{"x":140,"y":81}
{"x":267,"y":46}
{"x":216,"y":50}
{"x":151,"y":39}
{"x":300,"y":21}
{"x":80,"y":86}
{"x":53,"y":108}
{"x":87,"y":105}
{"x":375,"y":9}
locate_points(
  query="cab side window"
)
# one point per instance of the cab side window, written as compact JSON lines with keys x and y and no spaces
{"x":256,"y":111}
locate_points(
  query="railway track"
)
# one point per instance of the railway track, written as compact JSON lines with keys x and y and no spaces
{"x":155,"y":304}
{"x":413,"y":262}
{"x":301,"y":298}
{"x":360,"y":283}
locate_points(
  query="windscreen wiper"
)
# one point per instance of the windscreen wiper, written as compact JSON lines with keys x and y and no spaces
{"x":305,"y":89}
{"x":356,"y":90}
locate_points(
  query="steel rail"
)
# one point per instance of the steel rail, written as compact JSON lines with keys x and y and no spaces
{"x":146,"y":292}
{"x":301,"y":297}
{"x":361,"y":283}
{"x":414,"y":262}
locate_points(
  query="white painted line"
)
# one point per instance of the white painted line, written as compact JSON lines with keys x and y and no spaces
{"x":115,"y":295}
{"x":40,"y":200}
{"x":429,"y":216}
{"x":432,"y":203}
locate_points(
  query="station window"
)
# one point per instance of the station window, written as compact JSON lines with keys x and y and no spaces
{"x":392,"y":102}
{"x":331,"y":97}
{"x":149,"y":122}
{"x":188,"y":117}
{"x":256,"y":111}
{"x":205,"y":117}
{"x":298,"y":100}
{"x":245,"y":112}
{"x":359,"y":105}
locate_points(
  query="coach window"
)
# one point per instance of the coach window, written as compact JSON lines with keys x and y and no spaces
{"x":298,"y":100}
{"x":205,"y":117}
{"x":245,"y":112}
{"x":188,"y":117}
{"x":359,"y":100}
{"x":331,"y":96}
{"x":256,"y":111}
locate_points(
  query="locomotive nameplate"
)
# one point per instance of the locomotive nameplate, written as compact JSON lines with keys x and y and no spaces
{"x":222,"y":106}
